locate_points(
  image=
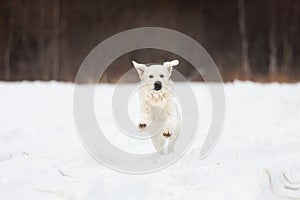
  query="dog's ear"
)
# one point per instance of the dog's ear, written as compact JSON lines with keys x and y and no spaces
{"x":140,"y":68}
{"x":170,"y":65}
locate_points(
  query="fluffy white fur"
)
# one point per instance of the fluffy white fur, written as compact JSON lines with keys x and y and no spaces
{"x":159,"y":113}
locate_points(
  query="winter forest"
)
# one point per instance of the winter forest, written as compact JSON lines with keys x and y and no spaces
{"x":48,"y":39}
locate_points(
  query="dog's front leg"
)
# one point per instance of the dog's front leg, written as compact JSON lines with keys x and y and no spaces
{"x":145,"y":119}
{"x":170,"y":132}
{"x":171,"y":121}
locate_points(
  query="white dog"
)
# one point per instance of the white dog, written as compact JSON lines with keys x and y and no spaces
{"x":159,"y":111}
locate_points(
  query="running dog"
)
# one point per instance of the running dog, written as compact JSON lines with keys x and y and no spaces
{"x":159,"y":114}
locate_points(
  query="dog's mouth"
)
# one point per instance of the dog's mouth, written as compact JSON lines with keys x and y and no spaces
{"x":157,"y":85}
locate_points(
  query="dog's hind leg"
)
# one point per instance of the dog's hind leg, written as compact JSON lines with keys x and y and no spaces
{"x":172,"y":141}
{"x":166,"y":146}
{"x":171,"y":146}
{"x":158,"y":142}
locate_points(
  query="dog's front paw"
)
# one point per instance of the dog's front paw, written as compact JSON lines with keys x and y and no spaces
{"x":145,"y":122}
{"x":142,"y":125}
{"x":167,"y":134}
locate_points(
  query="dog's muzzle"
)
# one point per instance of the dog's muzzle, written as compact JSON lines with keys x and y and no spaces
{"x":157,"y":85}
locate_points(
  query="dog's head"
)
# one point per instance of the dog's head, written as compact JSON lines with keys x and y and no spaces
{"x":155,"y":75}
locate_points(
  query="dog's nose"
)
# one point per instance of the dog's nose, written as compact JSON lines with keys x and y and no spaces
{"x":157,"y":85}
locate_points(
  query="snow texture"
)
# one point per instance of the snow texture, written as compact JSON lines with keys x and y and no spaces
{"x":257,"y":157}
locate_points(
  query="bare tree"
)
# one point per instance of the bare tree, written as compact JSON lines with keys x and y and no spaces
{"x":287,"y":46}
{"x":55,"y":40}
{"x":7,"y":52}
{"x":273,"y":68}
{"x":244,"y":42}
{"x":41,"y":47}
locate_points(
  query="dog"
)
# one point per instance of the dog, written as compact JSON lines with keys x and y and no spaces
{"x":159,"y":114}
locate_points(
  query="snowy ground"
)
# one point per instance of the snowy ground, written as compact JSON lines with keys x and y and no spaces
{"x":257,"y":157}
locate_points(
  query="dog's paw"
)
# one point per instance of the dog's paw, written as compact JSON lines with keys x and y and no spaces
{"x":145,"y":122}
{"x":167,"y":134}
{"x":142,"y":125}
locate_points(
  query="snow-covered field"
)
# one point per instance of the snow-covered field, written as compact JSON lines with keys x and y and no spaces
{"x":257,"y":157}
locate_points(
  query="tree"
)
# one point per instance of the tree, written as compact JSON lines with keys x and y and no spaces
{"x":273,"y":69}
{"x":244,"y":41}
{"x":7,"y":52}
{"x":55,"y":40}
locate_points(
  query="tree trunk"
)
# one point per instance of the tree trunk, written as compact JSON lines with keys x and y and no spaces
{"x":41,"y":48}
{"x":7,"y":52}
{"x":287,"y":54}
{"x":244,"y":42}
{"x":55,"y":40}
{"x":287,"y":47}
{"x":273,"y":69}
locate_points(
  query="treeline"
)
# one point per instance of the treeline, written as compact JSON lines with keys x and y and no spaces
{"x":248,"y":39}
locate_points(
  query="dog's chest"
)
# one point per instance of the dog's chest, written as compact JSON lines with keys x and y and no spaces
{"x":157,"y":99}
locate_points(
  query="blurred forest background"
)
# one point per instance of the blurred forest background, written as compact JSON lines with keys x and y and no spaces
{"x":248,"y":39}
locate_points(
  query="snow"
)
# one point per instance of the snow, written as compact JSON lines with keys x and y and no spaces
{"x":257,"y":157}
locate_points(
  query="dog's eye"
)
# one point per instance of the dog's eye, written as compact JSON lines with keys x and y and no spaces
{"x":151,"y":76}
{"x":161,"y":76}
